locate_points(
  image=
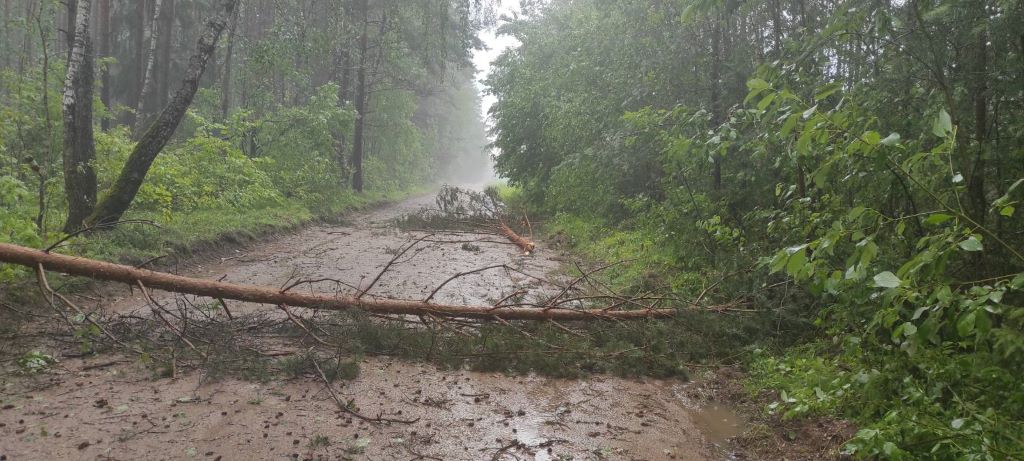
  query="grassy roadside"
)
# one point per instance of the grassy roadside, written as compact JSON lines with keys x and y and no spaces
{"x":190,"y":233}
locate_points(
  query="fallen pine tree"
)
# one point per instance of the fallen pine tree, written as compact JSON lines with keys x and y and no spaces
{"x":466,"y":210}
{"x":45,"y":261}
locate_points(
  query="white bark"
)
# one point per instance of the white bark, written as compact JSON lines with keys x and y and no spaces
{"x":147,"y":81}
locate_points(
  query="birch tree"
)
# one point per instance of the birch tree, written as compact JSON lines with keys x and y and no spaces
{"x":79,"y":147}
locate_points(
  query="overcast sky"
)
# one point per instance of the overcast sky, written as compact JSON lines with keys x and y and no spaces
{"x":495,"y":45}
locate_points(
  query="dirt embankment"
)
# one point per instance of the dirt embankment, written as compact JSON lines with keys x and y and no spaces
{"x":109,"y":408}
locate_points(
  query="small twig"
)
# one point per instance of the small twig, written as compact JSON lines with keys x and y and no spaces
{"x":226,"y":310}
{"x":460,"y":274}
{"x":391,"y":263}
{"x":156,"y":307}
{"x":515,"y":444}
{"x":303,"y":327}
{"x":45,"y":287}
{"x":344,"y":407}
{"x":585,"y":275}
{"x":420,"y":455}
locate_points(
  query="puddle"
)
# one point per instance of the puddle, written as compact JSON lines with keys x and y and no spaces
{"x":718,"y":423}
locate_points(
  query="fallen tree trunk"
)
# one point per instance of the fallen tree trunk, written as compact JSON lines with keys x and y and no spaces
{"x":101,"y":270}
{"x":521,"y":242}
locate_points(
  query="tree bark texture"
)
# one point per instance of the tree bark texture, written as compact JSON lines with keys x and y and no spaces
{"x":147,"y":76}
{"x":359,"y":138}
{"x":79,"y":147}
{"x":105,"y":51}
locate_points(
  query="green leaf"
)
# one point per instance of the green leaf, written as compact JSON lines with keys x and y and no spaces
{"x":871,"y":138}
{"x":937,"y":218}
{"x":1007,"y":211}
{"x":827,"y":90}
{"x":796,"y":262}
{"x":789,"y":125}
{"x":971,"y":244}
{"x":891,"y":140}
{"x":766,"y":101}
{"x":1018,"y":282}
{"x":887,"y":280}
{"x":757,"y":84}
{"x":943,"y":125}
{"x":965,"y":326}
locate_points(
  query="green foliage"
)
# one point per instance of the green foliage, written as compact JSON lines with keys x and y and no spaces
{"x":299,"y":365}
{"x":656,"y":348}
{"x":16,"y":222}
{"x":758,"y":146}
{"x":201,"y":173}
{"x":35,"y":362}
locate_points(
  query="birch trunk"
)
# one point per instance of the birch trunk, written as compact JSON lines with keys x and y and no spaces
{"x":147,"y":78}
{"x":79,"y":147}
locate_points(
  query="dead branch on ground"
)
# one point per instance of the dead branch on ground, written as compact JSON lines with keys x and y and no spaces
{"x":466,"y":211}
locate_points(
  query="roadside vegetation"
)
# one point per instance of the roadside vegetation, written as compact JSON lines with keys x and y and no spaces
{"x":852,"y":166}
{"x":268,"y":143}
{"x":827,"y":192}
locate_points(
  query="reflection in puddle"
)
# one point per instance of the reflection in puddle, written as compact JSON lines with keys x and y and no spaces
{"x":718,"y":423}
{"x":529,"y":434}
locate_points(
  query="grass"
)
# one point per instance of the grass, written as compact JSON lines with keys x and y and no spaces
{"x":184,"y":234}
{"x":188,"y":233}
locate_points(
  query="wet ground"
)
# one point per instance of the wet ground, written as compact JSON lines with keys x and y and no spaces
{"x":103,"y":408}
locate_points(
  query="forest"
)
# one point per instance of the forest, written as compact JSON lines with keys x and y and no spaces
{"x":797,"y":216}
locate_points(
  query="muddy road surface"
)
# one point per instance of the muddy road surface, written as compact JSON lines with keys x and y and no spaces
{"x":109,"y":407}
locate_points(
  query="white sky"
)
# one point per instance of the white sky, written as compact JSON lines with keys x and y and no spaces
{"x":495,"y":45}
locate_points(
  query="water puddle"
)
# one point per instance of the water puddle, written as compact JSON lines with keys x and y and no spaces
{"x":718,"y":423}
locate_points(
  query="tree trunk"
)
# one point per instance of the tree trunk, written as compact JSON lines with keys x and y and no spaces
{"x":358,"y":140}
{"x":717,"y":111}
{"x":79,"y":149}
{"x":225,"y":84}
{"x":44,"y":168}
{"x":105,"y":52}
{"x":147,"y":76}
{"x":6,"y":26}
{"x":27,"y":42}
{"x":139,"y":46}
{"x":70,"y":19}
{"x":121,"y":195}
{"x":100,"y":270}
{"x":515,"y":238}
{"x":164,"y":46}
{"x":976,"y":184}
{"x":342,"y":73}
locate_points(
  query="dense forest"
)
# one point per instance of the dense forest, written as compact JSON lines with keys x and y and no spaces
{"x":870,"y":153}
{"x":164,"y":108}
{"x":822,"y":194}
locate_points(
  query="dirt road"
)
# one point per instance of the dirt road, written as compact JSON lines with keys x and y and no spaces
{"x":94,"y":409}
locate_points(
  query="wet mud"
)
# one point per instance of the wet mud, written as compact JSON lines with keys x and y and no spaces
{"x":110,"y":408}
